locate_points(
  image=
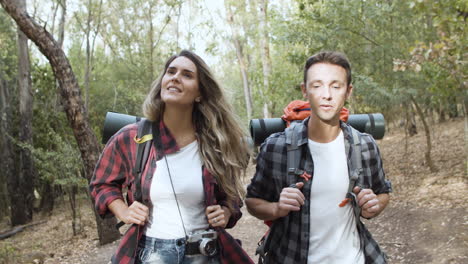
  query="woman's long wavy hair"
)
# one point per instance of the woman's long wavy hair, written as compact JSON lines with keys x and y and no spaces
{"x":222,"y":142}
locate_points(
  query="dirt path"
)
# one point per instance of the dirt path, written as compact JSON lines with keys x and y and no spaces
{"x":408,"y":234}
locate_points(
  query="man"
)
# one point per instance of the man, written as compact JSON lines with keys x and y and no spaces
{"x":313,"y":222}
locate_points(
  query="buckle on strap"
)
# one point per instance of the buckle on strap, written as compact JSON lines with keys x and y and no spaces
{"x":143,"y":139}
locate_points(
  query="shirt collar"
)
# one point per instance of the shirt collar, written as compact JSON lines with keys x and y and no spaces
{"x":346,"y":131}
{"x":303,"y":135}
{"x":168,"y":142}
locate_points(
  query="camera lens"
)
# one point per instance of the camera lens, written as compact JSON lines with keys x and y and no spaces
{"x":208,"y":247}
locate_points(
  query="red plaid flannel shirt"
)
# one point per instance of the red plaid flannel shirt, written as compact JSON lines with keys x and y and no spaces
{"x":114,"y":172}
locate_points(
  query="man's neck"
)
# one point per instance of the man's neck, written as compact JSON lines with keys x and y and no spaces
{"x":323,"y":132}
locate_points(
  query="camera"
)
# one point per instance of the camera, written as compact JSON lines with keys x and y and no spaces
{"x":202,"y":242}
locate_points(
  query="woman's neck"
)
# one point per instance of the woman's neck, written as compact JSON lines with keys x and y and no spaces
{"x":180,"y":123}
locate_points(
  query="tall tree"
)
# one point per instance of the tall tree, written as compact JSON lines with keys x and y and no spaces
{"x":265,"y":54}
{"x":8,"y":84}
{"x":7,"y":154}
{"x":238,"y":45}
{"x":21,"y":186}
{"x":427,"y":155}
{"x":71,"y":100}
{"x":93,"y":23}
{"x":61,"y":33}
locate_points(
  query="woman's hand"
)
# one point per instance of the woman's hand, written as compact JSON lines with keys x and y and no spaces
{"x":217,"y":215}
{"x":137,"y":213}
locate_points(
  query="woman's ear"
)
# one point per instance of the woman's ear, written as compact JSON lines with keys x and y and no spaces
{"x":198,"y":99}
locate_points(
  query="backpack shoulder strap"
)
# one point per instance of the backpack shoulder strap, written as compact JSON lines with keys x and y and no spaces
{"x":294,"y":153}
{"x":356,"y":160}
{"x":143,"y":139}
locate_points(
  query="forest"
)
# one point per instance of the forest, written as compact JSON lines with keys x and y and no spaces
{"x":65,"y":63}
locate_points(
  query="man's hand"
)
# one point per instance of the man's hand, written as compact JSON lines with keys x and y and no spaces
{"x":291,"y":199}
{"x":370,"y":203}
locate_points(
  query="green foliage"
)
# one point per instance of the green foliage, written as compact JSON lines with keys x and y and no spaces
{"x":441,"y":59}
{"x":8,"y":253}
{"x":8,"y":48}
{"x":55,"y":151}
{"x":61,"y":166}
{"x":375,"y":34}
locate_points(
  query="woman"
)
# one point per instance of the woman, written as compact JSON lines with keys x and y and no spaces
{"x":192,"y":180}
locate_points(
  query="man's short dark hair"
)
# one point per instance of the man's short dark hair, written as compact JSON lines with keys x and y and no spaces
{"x":331,"y":57}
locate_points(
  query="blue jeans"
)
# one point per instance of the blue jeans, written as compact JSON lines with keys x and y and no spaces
{"x":168,"y":251}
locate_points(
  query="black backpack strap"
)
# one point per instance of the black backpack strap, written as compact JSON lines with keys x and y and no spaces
{"x":143,"y":139}
{"x":356,"y":160}
{"x":294,"y":152}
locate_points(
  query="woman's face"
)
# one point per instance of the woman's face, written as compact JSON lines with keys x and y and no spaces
{"x":180,"y":84}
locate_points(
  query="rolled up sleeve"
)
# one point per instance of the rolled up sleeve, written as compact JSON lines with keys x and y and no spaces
{"x":110,"y":175}
{"x":372,"y":162}
{"x":263,"y":184}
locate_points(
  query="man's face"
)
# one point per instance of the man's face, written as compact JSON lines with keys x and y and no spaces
{"x":326,"y":89}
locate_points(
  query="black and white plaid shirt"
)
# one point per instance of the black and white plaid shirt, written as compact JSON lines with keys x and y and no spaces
{"x":288,"y":241}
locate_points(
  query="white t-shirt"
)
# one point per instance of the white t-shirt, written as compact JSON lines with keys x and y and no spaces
{"x":334,"y":238}
{"x":186,"y":172}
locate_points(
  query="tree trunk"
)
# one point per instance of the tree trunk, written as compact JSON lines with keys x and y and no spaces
{"x":61,"y":34}
{"x":411,"y":127}
{"x":88,"y":57}
{"x":22,"y":195}
{"x":75,"y":209}
{"x":427,"y":155}
{"x":245,"y":79}
{"x":241,"y":58}
{"x":151,"y":42}
{"x":452,"y":107}
{"x":7,"y":166}
{"x":71,"y":101}
{"x":441,"y":113}
{"x":266,"y":60}
{"x":407,"y":115}
{"x":47,"y":198}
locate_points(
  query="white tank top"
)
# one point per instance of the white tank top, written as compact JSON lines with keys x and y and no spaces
{"x":334,"y":238}
{"x":185,"y":167}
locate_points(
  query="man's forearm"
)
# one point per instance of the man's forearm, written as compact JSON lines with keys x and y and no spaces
{"x":383,"y":198}
{"x":262,"y":209}
{"x":375,"y":210}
